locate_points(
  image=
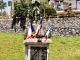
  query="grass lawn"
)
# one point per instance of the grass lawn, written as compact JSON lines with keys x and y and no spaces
{"x":65,"y":48}
{"x":11,"y":47}
{"x":62,"y":48}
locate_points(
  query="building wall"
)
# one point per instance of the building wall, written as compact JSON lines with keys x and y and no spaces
{"x":18,"y":1}
{"x":68,"y":1}
{"x":9,"y":11}
{"x":10,"y":8}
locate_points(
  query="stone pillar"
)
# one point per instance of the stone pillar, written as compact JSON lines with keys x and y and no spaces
{"x":9,"y":7}
{"x":37,"y":50}
{"x":12,"y":4}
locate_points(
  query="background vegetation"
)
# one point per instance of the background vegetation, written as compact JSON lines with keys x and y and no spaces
{"x":21,"y":10}
{"x":61,"y":48}
{"x":49,"y":11}
{"x":2,"y":5}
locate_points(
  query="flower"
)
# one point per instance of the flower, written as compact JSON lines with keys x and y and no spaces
{"x":41,"y":14}
{"x":58,"y":4}
{"x":68,"y":9}
{"x":70,"y":4}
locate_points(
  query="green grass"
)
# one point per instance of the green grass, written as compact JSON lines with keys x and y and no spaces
{"x":61,"y":48}
{"x":0,"y":17}
{"x":65,"y":48}
{"x":11,"y":47}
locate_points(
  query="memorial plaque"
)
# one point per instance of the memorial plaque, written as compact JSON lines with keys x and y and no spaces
{"x":38,"y":53}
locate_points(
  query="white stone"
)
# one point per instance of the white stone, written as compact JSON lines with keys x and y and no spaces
{"x":32,"y":40}
{"x":33,"y":43}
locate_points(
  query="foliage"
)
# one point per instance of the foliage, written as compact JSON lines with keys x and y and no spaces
{"x":58,"y":4}
{"x":4,"y":13}
{"x":69,"y":12}
{"x":20,"y":11}
{"x":72,"y":13}
{"x":0,"y":17}
{"x":23,"y":11}
{"x":2,"y":5}
{"x":0,"y":13}
{"x":49,"y":11}
{"x":61,"y":48}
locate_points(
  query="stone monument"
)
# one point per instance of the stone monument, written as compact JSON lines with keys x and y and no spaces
{"x":36,"y":9}
{"x":37,"y":48}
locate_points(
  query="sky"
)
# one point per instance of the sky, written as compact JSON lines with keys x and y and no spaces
{"x":6,"y":8}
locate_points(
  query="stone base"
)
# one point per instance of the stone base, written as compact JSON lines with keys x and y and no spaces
{"x":33,"y":41}
{"x":35,"y":50}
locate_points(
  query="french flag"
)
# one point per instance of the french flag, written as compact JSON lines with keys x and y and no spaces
{"x":31,"y":29}
{"x":47,"y":33}
{"x":38,"y":29}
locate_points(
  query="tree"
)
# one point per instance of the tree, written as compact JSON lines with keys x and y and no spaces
{"x":4,"y":13}
{"x":2,"y":5}
{"x":0,"y":13}
{"x":21,"y":11}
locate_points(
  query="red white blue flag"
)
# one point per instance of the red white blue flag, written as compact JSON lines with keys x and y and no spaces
{"x":47,"y":33}
{"x":31,"y":29}
{"x":38,"y":29}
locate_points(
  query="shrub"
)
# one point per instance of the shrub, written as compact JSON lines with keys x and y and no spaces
{"x":20,"y":11}
{"x":72,"y":14}
{"x":0,"y":17}
{"x":49,"y":11}
{"x":69,"y":12}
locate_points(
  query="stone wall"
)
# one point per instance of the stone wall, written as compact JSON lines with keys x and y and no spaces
{"x":5,"y":26}
{"x":68,"y":26}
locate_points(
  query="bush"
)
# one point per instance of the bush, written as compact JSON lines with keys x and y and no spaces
{"x":49,"y":11}
{"x":68,"y":11}
{"x":0,"y":17}
{"x":72,"y":13}
{"x":20,"y":11}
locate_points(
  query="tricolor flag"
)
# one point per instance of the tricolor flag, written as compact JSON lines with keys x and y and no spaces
{"x":31,"y":29}
{"x":47,"y":33}
{"x":38,"y":29}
